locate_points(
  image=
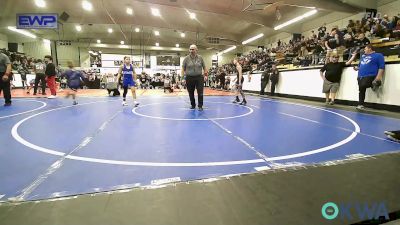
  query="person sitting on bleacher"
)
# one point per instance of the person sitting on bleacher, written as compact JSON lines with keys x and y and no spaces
{"x":167,"y":85}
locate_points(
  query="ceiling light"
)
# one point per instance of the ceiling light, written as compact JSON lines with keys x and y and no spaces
{"x":40,"y":3}
{"x":157,"y":33}
{"x":192,"y":16}
{"x":122,"y":42}
{"x":157,"y":44}
{"x":87,"y":6}
{"x":227,"y":50}
{"x":110,"y":30}
{"x":137,"y":30}
{"x":155,"y":12}
{"x":78,"y":27}
{"x":183,"y":35}
{"x":252,"y":39}
{"x":98,"y":41}
{"x":129,"y":11}
{"x":310,"y":13}
{"x":177,"y":45}
{"x":26,"y":33}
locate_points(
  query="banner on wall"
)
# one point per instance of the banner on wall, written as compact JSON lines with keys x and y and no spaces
{"x":37,"y":21}
{"x":168,"y":60}
{"x":134,"y":63}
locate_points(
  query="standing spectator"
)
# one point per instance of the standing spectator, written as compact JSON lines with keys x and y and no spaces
{"x":333,"y":74}
{"x":274,"y":79}
{"x":39,"y":69}
{"x":264,"y":81}
{"x":5,"y":73}
{"x":317,"y":52}
{"x":322,"y":32}
{"x":192,"y":72}
{"x":221,"y":78}
{"x":50,"y":75}
{"x":370,"y":71}
{"x":331,"y":43}
{"x":23,"y":70}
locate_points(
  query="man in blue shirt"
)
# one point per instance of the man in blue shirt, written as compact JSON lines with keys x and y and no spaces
{"x":370,"y":71}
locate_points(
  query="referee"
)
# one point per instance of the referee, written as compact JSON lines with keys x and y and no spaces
{"x":193,"y":68}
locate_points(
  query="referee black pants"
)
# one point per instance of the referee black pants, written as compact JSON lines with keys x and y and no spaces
{"x":192,"y":83}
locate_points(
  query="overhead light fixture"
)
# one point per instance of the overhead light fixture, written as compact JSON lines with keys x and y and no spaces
{"x":157,"y":33}
{"x":157,"y":44}
{"x":40,"y":3}
{"x":46,"y":41}
{"x":177,"y":45}
{"x":252,"y":39}
{"x":86,"y":5}
{"x":183,"y":35}
{"x":122,"y":42}
{"x":227,"y":50}
{"x":129,"y":11}
{"x":78,"y":27}
{"x":110,"y":30}
{"x":98,"y":41}
{"x":137,"y":30}
{"x":192,"y":16}
{"x":155,"y":12}
{"x":310,"y":13}
{"x":26,"y":33}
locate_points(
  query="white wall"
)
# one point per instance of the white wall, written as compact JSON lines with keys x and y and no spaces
{"x":391,"y":9}
{"x":36,"y":49}
{"x":3,"y":41}
{"x":309,"y":83}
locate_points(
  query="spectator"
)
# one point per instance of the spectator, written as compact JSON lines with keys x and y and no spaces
{"x":23,"y":71}
{"x":274,"y":79}
{"x":264,"y":81}
{"x":5,"y":74}
{"x":333,"y":73}
{"x":51,"y":75}
{"x":370,"y":71}
{"x":317,"y":52}
{"x":396,"y":30}
{"x":322,"y":32}
{"x":167,"y":85}
{"x":39,"y":68}
{"x":331,"y":43}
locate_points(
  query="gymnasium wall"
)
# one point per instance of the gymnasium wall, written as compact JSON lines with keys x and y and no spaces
{"x":309,"y":83}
